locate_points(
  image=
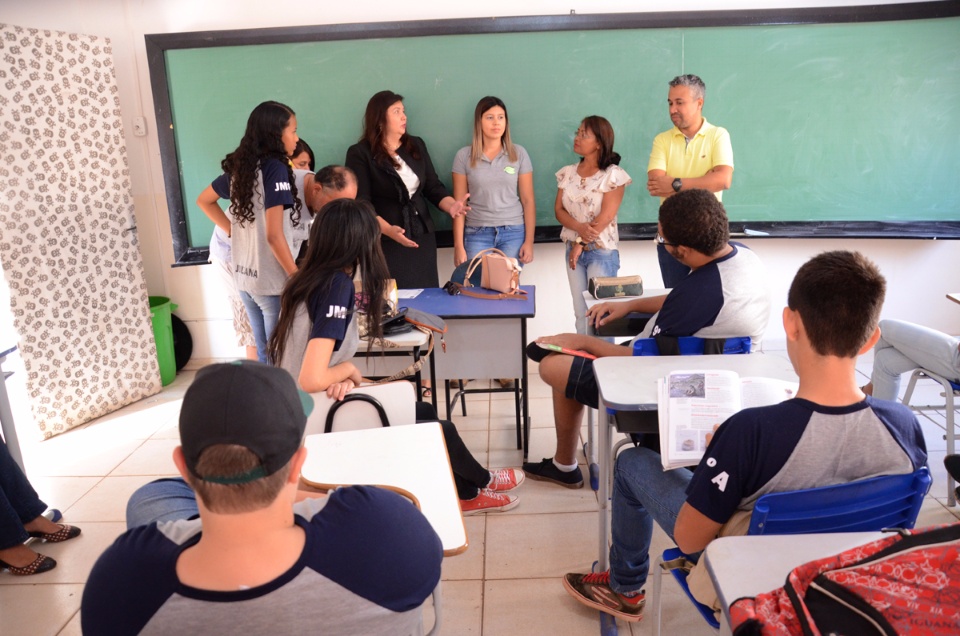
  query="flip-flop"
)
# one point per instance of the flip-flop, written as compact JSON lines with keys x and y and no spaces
{"x":426,"y":392}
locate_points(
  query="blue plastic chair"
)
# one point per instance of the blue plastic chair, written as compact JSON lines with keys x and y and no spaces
{"x":891,"y":501}
{"x":695,"y":346}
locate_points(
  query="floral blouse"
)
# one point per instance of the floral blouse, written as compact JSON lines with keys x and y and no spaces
{"x":582,"y":198}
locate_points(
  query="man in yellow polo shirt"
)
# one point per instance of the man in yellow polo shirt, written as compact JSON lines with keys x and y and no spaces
{"x":692,"y":154}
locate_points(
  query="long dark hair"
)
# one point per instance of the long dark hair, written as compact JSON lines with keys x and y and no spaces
{"x":345,"y":237}
{"x":304,"y":147}
{"x":263,"y":139}
{"x":374,"y":119}
{"x":603,"y":131}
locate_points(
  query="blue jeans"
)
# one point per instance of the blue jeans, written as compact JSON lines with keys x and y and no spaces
{"x":19,"y":503}
{"x":506,"y":238}
{"x":904,"y":346}
{"x":671,"y":270}
{"x":262,"y":312}
{"x":590,"y":264}
{"x":642,"y":493}
{"x":167,"y":499}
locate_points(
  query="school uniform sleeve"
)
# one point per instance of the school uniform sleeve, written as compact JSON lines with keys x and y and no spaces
{"x":526,"y":166}
{"x":221,"y":185}
{"x":276,"y":185}
{"x":692,"y":305}
{"x":722,"y":148}
{"x":330,"y":310}
{"x":461,"y":161}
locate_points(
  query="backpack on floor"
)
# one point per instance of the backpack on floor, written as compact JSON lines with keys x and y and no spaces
{"x":907,"y":583}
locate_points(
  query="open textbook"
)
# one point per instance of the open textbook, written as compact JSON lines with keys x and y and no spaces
{"x":690,"y":403}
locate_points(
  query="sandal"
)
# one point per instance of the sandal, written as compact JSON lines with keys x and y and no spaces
{"x":41,"y":564}
{"x":426,"y":392}
{"x":65,"y":533}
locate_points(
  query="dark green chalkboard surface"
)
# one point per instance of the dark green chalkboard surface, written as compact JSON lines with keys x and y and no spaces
{"x":838,"y":126}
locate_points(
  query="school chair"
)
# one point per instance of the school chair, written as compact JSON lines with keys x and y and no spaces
{"x":890,"y":501}
{"x":950,"y":391}
{"x":392,"y":403}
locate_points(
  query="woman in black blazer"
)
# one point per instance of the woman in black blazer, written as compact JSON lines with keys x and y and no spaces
{"x":395,"y":174}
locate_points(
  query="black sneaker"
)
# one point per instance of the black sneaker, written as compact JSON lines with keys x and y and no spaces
{"x":547,"y":471}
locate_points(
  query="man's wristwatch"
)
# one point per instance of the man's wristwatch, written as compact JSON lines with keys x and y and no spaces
{"x":677,"y":184}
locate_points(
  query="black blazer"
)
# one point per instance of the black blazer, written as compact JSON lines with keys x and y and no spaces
{"x":379,"y":183}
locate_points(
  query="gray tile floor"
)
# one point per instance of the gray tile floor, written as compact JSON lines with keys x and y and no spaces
{"x":507,"y":582}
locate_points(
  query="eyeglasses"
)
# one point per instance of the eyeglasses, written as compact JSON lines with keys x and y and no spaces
{"x":583,"y":134}
{"x":663,"y":241}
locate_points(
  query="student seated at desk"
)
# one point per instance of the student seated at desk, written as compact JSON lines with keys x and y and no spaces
{"x":725,"y":296}
{"x":903,"y":347}
{"x":316,"y":336}
{"x":361,"y":560}
{"x":831,"y":433}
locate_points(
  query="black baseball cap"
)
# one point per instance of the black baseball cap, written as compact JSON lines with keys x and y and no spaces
{"x":249,"y":404}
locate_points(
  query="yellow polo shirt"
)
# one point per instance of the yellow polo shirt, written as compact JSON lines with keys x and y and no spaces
{"x":709,"y":147}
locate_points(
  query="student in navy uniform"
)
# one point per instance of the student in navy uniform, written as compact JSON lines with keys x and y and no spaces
{"x":361,"y":560}
{"x":395,"y":174}
{"x":317,"y":335}
{"x":725,"y":296}
{"x":831,"y":433}
{"x":264,"y":209}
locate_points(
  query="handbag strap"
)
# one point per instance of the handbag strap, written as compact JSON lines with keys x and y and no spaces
{"x":475,"y":263}
{"x":519,"y":294}
{"x":413,"y":368}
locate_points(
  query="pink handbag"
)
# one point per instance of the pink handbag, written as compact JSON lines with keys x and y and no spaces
{"x":498,"y":271}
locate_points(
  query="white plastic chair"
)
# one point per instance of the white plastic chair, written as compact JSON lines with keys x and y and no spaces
{"x":950,"y":391}
{"x":397,"y":400}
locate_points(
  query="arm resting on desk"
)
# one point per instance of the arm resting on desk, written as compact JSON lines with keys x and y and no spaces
{"x":602,"y":313}
{"x":694,"y":530}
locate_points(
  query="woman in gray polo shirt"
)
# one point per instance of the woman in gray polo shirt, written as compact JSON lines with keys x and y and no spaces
{"x":499,"y":177}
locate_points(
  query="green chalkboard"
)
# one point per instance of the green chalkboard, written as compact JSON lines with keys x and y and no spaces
{"x":833,"y":125}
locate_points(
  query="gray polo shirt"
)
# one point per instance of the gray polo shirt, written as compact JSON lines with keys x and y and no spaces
{"x":494,"y":195}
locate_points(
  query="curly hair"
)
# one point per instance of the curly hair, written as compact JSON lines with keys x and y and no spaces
{"x":262,"y":140}
{"x":374,"y":119}
{"x":839,"y":296}
{"x":345,"y":237}
{"x":696,"y":219}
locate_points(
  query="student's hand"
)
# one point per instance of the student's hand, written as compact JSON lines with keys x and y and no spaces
{"x":339,"y":390}
{"x":397,"y":234}
{"x":459,"y":207}
{"x":566,"y":340}
{"x":602,"y":313}
{"x":526,"y":253}
{"x":459,"y":256}
{"x":575,"y":252}
{"x":660,"y":185}
{"x":709,"y":436}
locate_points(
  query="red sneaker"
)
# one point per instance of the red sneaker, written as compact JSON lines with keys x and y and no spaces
{"x":505,"y":479}
{"x":488,"y":501}
{"x":593,"y":590}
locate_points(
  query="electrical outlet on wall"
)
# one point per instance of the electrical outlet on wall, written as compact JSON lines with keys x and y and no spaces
{"x":139,"y":127}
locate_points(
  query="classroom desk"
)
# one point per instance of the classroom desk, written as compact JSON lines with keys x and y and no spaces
{"x":411,"y":459}
{"x":485,"y":339}
{"x":751,"y":565}
{"x":629,"y":383}
{"x":637,"y":319}
{"x":7,"y":425}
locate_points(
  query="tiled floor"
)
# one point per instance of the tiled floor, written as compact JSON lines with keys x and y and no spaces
{"x":507,"y":582}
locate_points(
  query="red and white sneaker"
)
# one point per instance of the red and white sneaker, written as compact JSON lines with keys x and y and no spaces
{"x":505,"y":479}
{"x":593,"y":590}
{"x":488,"y":501}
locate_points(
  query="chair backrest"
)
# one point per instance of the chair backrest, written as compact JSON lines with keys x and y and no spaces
{"x":692,"y":346}
{"x":891,"y":501}
{"x":396,"y":399}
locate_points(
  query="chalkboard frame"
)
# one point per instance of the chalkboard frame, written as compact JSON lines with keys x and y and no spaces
{"x":158,"y":44}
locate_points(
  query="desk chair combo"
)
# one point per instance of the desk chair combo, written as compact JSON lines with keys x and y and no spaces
{"x":950,"y":391}
{"x":891,"y":501}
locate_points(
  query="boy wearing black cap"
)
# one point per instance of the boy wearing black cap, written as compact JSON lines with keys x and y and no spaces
{"x":361,"y":560}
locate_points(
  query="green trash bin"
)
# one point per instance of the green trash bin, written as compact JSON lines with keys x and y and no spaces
{"x":160,"y":308}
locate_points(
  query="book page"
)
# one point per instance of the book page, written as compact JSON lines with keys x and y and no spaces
{"x":695,"y":401}
{"x":766,"y":391}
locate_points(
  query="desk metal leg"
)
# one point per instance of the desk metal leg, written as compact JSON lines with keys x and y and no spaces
{"x":418,"y":376}
{"x":525,"y":397}
{"x":6,"y":420}
{"x":433,"y":378}
{"x":605,"y":423}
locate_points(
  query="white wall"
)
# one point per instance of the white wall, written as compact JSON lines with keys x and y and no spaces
{"x":919,"y":272}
